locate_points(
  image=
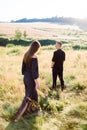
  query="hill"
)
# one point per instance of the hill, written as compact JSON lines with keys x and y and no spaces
{"x":82,"y":23}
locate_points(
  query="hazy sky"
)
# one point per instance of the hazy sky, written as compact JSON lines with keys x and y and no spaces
{"x":17,"y":9}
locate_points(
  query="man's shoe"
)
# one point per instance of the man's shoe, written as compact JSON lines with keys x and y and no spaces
{"x":63,"y":87}
{"x":53,"y":88}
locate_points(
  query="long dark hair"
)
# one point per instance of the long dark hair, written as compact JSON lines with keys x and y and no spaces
{"x":35,"y":45}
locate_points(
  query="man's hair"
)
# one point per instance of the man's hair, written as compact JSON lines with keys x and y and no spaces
{"x":59,"y":43}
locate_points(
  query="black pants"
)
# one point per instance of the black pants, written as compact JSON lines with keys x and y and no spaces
{"x":56,"y":73}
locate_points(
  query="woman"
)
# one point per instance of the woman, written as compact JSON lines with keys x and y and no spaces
{"x":30,"y":72}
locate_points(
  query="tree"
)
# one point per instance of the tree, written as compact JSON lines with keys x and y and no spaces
{"x":25,"y":34}
{"x":18,"y":35}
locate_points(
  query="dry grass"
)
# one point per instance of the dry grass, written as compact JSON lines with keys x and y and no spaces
{"x":12,"y":88}
{"x":38,"y":30}
{"x":73,"y":100}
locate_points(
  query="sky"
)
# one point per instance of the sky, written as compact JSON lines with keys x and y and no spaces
{"x":18,"y":9}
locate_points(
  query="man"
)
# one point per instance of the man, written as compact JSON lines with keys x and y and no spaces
{"x":57,"y":65}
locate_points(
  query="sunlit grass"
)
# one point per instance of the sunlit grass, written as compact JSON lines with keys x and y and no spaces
{"x":57,"y":108}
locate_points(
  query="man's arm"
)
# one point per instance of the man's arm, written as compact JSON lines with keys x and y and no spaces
{"x":53,"y":60}
{"x":64,"y":56}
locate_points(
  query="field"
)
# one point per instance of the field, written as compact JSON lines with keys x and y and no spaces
{"x":39,"y":30}
{"x":65,"y":110}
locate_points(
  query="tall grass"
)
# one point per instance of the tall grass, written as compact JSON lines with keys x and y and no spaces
{"x":59,"y":111}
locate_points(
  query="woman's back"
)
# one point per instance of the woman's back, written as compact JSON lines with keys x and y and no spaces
{"x":31,"y":70}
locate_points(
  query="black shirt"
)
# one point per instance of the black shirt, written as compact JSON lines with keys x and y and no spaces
{"x":58,"y":58}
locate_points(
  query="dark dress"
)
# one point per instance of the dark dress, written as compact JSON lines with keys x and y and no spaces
{"x":30,"y":72}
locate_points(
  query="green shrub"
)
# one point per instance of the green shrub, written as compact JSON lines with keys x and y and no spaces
{"x":10,"y":45}
{"x":18,"y":35}
{"x":20,"y":42}
{"x":45,"y":42}
{"x":76,"y":47}
{"x":84,"y":126}
{"x":79,"y":47}
{"x":84,"y":47}
{"x":78,"y":87}
{"x":3,"y":41}
{"x":69,"y":78}
{"x":54,"y":94}
{"x":24,"y":34}
{"x":51,"y":105}
{"x":14,"y":51}
{"x":7,"y":111}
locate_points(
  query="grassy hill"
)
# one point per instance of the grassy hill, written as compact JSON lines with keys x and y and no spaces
{"x":58,"y":110}
{"x":40,"y":30}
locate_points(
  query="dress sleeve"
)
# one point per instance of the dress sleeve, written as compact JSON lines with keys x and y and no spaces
{"x":35,"y":73}
{"x":23,"y":67}
{"x":54,"y":57}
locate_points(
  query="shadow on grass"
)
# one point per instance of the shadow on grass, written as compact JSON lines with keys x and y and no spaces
{"x":25,"y":123}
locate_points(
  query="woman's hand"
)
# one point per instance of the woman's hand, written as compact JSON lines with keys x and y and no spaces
{"x":37,"y":84}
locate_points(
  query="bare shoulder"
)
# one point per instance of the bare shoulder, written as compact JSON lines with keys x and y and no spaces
{"x":34,"y":56}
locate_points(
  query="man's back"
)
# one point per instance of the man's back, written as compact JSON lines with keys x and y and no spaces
{"x":58,"y":58}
